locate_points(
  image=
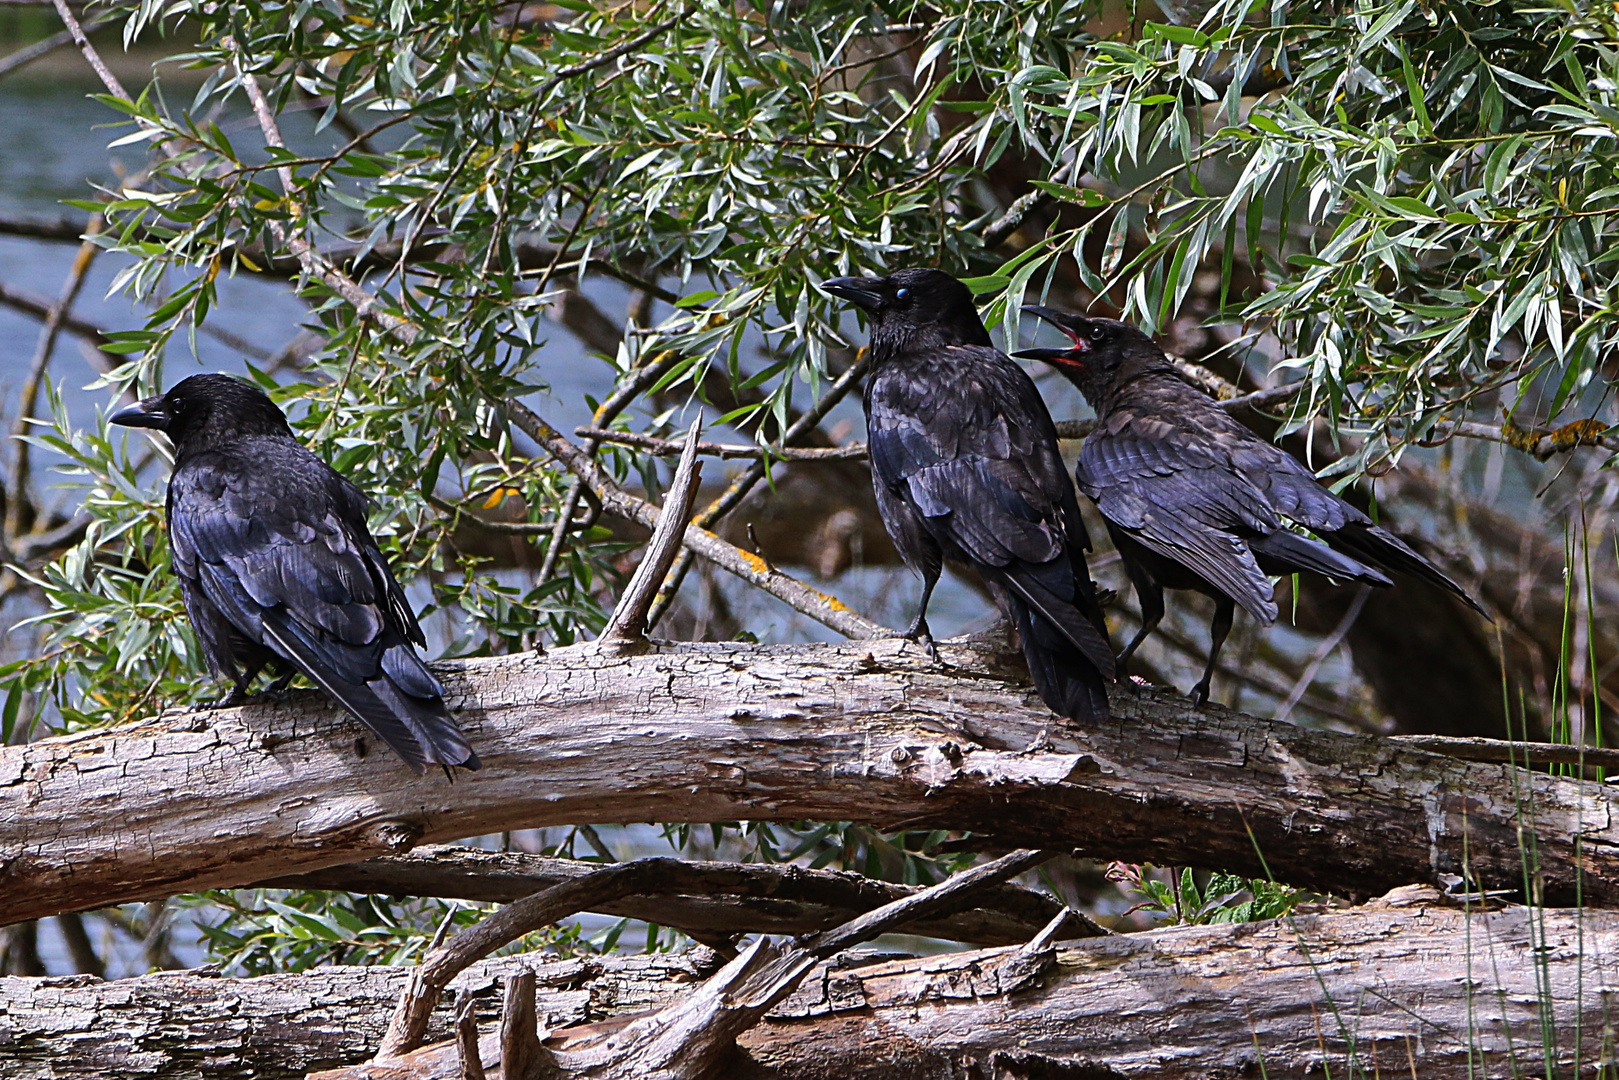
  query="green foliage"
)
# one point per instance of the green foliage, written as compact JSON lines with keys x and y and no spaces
{"x":260,"y":931}
{"x":1223,"y":898}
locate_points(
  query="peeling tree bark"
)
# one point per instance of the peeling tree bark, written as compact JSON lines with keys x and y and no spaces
{"x":1385,"y":988}
{"x":867,"y":731}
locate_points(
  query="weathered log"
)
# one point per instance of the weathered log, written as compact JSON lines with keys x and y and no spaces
{"x":868,"y":731}
{"x":714,"y":899}
{"x":1403,"y":987}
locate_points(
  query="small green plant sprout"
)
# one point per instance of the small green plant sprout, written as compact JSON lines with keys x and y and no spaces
{"x":1223,"y":898}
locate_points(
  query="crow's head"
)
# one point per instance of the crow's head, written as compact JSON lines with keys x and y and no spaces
{"x":1103,"y":352}
{"x":913,"y":309}
{"x":206,"y":410}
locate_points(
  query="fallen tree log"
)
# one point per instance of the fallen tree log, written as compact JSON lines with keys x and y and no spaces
{"x":715,"y":900}
{"x":869,"y":731}
{"x":1405,"y":986}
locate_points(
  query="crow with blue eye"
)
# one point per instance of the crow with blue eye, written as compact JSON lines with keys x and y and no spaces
{"x":965,"y":466}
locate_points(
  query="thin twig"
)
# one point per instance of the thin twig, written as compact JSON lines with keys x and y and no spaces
{"x":1328,"y":644}
{"x":14,"y":61}
{"x":17,"y":501}
{"x":824,"y":609}
{"x":671,"y":447}
{"x":608,"y":411}
{"x":108,"y":79}
{"x":628,"y":623}
{"x":733,"y":496}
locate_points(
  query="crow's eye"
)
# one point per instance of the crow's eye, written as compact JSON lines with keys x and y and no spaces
{"x":1097,"y":333}
{"x":900,"y":294}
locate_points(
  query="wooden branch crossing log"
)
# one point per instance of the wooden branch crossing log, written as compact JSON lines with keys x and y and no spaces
{"x":708,"y":899}
{"x":1405,"y":986}
{"x":866,"y":731}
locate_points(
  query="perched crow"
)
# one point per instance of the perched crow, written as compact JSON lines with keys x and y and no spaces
{"x":277,"y":567}
{"x":965,"y":464}
{"x":1194,"y":500}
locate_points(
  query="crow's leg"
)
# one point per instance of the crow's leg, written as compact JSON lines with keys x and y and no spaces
{"x":918,"y":630}
{"x":1150,"y":595}
{"x":238,"y":691}
{"x":281,"y":682}
{"x":1224,"y":609}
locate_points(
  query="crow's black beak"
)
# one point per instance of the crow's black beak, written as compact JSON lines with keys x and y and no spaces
{"x":149,"y":413}
{"x":863,"y":292}
{"x":1050,"y":356}
{"x":1072,"y":325}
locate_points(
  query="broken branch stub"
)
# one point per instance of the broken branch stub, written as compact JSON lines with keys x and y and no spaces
{"x":628,"y":624}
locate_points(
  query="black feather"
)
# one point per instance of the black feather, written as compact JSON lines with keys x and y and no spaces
{"x":965,"y":464}
{"x":278,"y":566}
{"x":1194,"y":500}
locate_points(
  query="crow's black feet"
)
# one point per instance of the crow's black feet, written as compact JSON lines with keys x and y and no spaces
{"x":1200,"y":694}
{"x":237,"y":696}
{"x":919,"y":633}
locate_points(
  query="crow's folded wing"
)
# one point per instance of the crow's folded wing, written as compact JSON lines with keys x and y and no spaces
{"x":1186,"y":503}
{"x":977,"y":461}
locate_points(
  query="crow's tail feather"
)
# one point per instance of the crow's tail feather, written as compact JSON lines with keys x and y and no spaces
{"x":1384,"y":550}
{"x":1283,"y":552}
{"x":419,"y":730}
{"x":1068,"y":682}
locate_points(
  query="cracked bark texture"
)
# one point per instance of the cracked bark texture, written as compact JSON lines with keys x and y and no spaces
{"x":867,"y":731}
{"x":1404,"y":986}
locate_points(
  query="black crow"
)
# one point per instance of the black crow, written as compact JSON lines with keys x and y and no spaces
{"x":965,"y":464}
{"x":278,"y":568}
{"x":1194,"y":500}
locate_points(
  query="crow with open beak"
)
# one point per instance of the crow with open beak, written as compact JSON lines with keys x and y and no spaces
{"x":1194,"y":500}
{"x":965,"y":465}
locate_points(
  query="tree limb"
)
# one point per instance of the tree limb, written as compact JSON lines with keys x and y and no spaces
{"x":868,"y":731}
{"x":753,"y":982}
{"x":708,"y":899}
{"x":627,"y":626}
{"x":1407,"y":985}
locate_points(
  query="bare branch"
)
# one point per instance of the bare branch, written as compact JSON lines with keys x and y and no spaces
{"x":684,"y":1039}
{"x":705,"y":900}
{"x":18,"y":503}
{"x":869,"y":731}
{"x":670,"y":447}
{"x":19,"y":58}
{"x":628,"y":623}
{"x":817,"y":605}
{"x":104,"y":73}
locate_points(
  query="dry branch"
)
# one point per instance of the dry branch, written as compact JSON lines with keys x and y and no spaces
{"x":706,"y":900}
{"x":867,"y":731}
{"x":628,"y":623}
{"x":1176,"y":1003}
{"x":691,"y":1038}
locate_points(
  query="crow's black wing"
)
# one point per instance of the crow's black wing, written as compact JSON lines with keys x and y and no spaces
{"x":1182,"y":499}
{"x":960,"y":436}
{"x":277,"y":542}
{"x":1298,"y":496}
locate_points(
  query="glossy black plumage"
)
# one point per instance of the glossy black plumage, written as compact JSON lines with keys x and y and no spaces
{"x":965,"y":465}
{"x":1194,"y":500}
{"x":278,"y":568}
